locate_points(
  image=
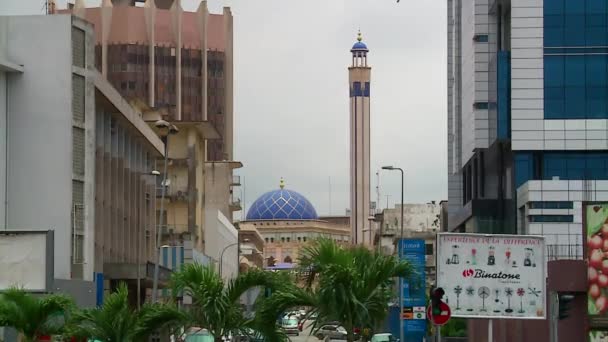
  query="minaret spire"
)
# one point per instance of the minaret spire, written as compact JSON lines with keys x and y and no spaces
{"x":359,"y":84}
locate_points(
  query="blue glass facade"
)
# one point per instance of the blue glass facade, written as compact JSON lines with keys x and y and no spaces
{"x":565,"y":165}
{"x":503,"y":94}
{"x":576,"y":59}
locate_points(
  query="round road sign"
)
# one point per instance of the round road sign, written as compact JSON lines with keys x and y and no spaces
{"x":442,"y":318}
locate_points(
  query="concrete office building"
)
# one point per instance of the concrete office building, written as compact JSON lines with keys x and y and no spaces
{"x":359,"y":74}
{"x":527,"y":136}
{"x":76,"y":159}
{"x":177,"y":66}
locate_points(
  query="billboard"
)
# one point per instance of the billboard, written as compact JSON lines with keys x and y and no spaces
{"x":492,"y":276}
{"x":26,"y":259}
{"x":596,"y":228}
{"x":414,"y":294}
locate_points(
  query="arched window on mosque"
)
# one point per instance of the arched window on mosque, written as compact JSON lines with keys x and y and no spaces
{"x":271,"y":261}
{"x":288,"y":259}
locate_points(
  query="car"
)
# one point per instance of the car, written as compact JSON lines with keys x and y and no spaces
{"x":290,"y":325}
{"x":333,"y":331}
{"x":384,"y":337}
{"x":198,"y":335}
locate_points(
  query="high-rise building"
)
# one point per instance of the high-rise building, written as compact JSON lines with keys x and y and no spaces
{"x":359,"y":84}
{"x":177,"y":66}
{"x":527,"y":134}
{"x":174,"y":60}
{"x":76,"y":160}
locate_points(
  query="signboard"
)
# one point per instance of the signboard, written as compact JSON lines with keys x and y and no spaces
{"x":442,"y":318}
{"x":26,"y":259}
{"x":596,"y":227}
{"x":414,"y":290}
{"x":492,"y":276}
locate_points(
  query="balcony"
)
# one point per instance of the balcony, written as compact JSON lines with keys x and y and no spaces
{"x":176,"y":194}
{"x":236,"y":181}
{"x":235,"y":203}
{"x":172,"y":233}
{"x":565,"y":252}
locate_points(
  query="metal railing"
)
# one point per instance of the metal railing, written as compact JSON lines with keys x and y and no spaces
{"x":565,"y":252}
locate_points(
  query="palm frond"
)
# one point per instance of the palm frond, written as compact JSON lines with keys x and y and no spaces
{"x":34,"y":316}
{"x":153,"y":317}
{"x":248,"y":280}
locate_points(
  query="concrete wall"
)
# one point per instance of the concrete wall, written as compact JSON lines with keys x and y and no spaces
{"x":40,"y":131}
{"x":4,"y":78}
{"x":417,"y":217}
{"x":218,"y":236}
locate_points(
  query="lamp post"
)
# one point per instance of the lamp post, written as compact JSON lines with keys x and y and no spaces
{"x":399,"y":252}
{"x":154,"y":174}
{"x":224,"y":250}
{"x":171,"y":129}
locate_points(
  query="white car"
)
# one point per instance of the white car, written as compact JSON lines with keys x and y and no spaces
{"x":290,"y":325}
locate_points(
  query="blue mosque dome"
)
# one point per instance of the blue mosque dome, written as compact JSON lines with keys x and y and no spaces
{"x":359,"y":45}
{"x":282,"y":204}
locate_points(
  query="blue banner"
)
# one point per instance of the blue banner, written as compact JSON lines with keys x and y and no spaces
{"x":414,"y":290}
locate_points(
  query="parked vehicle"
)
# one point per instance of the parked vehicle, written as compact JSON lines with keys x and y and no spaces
{"x":384,"y":337}
{"x":199,"y":335}
{"x":333,"y":331}
{"x":290,"y":325}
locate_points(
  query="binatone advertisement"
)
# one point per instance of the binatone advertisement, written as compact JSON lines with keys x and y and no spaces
{"x":492,"y":276}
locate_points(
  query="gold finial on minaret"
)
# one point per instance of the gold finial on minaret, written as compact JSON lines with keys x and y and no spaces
{"x":282,"y":183}
{"x":359,"y":36}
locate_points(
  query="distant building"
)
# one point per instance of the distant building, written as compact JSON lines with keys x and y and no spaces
{"x":287,"y":221}
{"x":422,"y":221}
{"x":77,"y":159}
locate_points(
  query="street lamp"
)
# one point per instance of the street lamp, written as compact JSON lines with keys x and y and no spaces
{"x":224,"y":250}
{"x":154,"y":174}
{"x":399,"y":252}
{"x":171,"y":129}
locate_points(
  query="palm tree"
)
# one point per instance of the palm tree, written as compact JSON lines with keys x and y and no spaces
{"x":215,"y":304}
{"x":116,"y":321}
{"x":348,"y":284}
{"x":34,"y":316}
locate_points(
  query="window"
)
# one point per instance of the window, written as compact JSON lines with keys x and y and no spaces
{"x":123,"y":85}
{"x":288,"y":239}
{"x":304,"y":238}
{"x":480,"y":105}
{"x":551,"y":218}
{"x":481,"y":38}
{"x":428,"y":249}
{"x":299,"y":239}
{"x":266,"y":239}
{"x":551,"y":205}
{"x":131,"y":85}
{"x":282,"y":239}
{"x":575,"y":23}
{"x":272,"y":240}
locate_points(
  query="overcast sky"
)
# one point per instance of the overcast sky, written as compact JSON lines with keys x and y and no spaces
{"x":291,"y":94}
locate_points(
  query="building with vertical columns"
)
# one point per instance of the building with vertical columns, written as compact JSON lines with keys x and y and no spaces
{"x":76,"y":159}
{"x":527,"y":138}
{"x":177,"y":66}
{"x":359,"y":84}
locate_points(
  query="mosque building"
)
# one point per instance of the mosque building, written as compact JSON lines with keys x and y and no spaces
{"x":287,"y":221}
